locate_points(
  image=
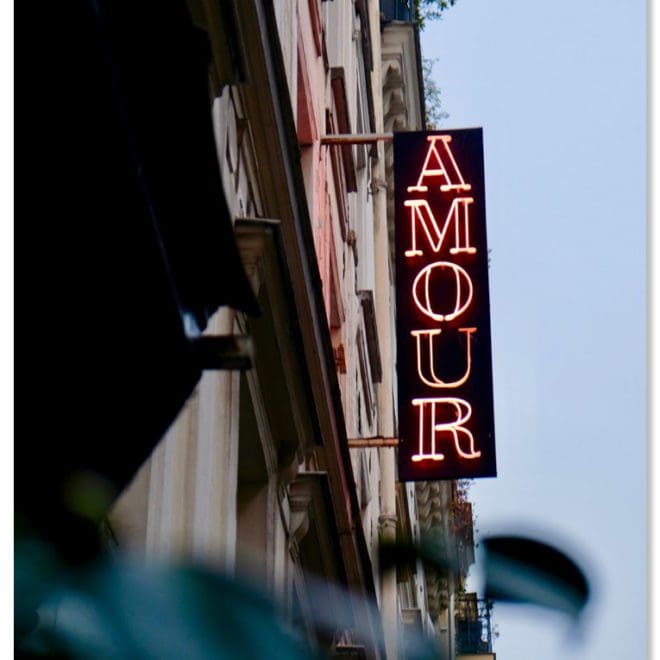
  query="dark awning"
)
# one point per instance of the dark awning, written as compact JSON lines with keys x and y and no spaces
{"x":122,"y":229}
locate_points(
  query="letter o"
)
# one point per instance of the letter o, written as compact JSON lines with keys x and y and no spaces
{"x":423,"y":301}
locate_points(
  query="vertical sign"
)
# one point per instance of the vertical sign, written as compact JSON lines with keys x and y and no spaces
{"x":444,"y":365}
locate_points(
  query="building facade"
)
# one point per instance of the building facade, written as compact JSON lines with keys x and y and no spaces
{"x":277,"y":470}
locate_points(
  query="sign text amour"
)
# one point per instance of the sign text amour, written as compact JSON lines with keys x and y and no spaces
{"x":443,"y":325}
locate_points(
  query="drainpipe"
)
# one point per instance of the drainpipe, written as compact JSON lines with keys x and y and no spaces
{"x":387,"y":455}
{"x":384,"y":322}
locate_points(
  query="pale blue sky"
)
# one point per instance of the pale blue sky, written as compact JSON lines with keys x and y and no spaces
{"x":559,"y":89}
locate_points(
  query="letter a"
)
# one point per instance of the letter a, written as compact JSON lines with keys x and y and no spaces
{"x":434,"y":165}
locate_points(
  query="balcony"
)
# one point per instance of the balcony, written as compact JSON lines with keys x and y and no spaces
{"x":473,"y":625}
{"x":397,"y":10}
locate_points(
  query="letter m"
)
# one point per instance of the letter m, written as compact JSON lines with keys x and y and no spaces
{"x":421,"y":215}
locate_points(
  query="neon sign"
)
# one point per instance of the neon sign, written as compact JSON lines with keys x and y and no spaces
{"x":444,"y":363}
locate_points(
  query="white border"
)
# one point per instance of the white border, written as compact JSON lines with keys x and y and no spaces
{"x":653,"y":183}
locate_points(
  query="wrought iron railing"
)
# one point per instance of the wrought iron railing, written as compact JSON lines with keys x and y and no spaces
{"x":397,"y":10}
{"x":473,"y":624}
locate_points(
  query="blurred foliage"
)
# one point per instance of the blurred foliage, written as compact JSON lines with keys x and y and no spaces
{"x":517,"y":569}
{"x":98,"y":606}
{"x":117,"y":609}
{"x":523,"y":570}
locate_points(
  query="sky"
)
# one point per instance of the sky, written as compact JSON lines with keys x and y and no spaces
{"x":559,"y":89}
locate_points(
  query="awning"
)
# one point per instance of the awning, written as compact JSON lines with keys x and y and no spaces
{"x":122,"y":229}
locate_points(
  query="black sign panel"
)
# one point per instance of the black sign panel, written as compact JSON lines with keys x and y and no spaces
{"x":444,"y":364}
